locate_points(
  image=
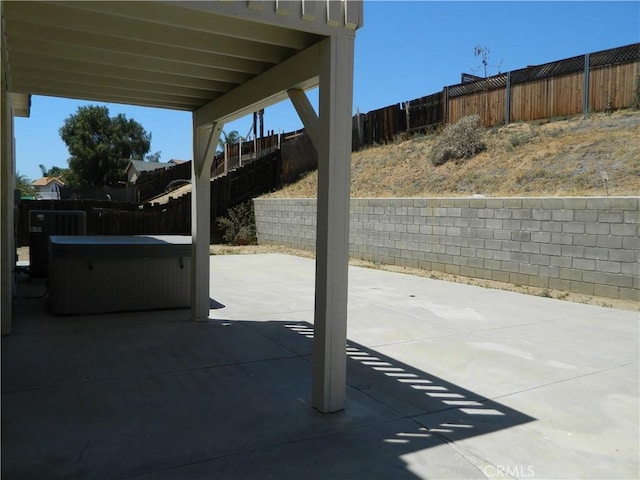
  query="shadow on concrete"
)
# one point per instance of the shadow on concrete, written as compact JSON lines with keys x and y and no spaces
{"x":214,"y":304}
{"x":153,"y":395}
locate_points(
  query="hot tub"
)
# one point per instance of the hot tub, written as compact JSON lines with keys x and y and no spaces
{"x":99,"y":274}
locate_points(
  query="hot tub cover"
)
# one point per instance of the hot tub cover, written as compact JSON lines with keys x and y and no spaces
{"x":99,"y":247}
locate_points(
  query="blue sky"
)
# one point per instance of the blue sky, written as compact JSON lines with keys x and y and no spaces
{"x":405,"y":50}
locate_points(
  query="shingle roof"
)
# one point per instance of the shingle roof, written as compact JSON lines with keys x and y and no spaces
{"x":142,"y":166}
{"x":44,"y":181}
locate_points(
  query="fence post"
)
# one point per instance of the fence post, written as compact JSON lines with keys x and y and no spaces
{"x":408,"y":114}
{"x":360,"y":126}
{"x":446,"y":105}
{"x":226,"y":158}
{"x":507,"y":103}
{"x":255,"y":145}
{"x":585,"y":98}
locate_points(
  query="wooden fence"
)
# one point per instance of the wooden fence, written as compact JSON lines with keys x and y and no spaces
{"x":152,"y":183}
{"x":239,"y":154}
{"x":174,"y":217}
{"x":245,"y":183}
{"x":113,"y":218}
{"x":600,"y":81}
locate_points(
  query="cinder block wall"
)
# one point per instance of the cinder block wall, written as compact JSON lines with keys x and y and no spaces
{"x":579,"y":244}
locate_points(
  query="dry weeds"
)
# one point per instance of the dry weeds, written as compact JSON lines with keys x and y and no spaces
{"x":559,"y":157}
{"x":546,"y":158}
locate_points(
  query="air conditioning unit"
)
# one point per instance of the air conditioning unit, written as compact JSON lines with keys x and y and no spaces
{"x":42,"y":224}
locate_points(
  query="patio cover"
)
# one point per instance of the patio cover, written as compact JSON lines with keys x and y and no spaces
{"x":220,"y":60}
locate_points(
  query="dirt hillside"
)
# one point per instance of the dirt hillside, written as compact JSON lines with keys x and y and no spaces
{"x":566,"y":157}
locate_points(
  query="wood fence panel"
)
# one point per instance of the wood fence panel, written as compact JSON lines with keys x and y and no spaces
{"x":426,"y":112}
{"x":382,"y":125}
{"x":462,"y":106}
{"x":521,"y":102}
{"x":529,"y":100}
{"x":153,"y":183}
{"x":495,"y":113}
{"x":612,"y":86}
{"x":567,"y":96}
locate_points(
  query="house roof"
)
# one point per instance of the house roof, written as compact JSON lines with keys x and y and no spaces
{"x":44,"y":181}
{"x":142,"y":166}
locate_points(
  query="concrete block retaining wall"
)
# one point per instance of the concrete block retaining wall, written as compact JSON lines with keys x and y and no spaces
{"x":580,"y":244}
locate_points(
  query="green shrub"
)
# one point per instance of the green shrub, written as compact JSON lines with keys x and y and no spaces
{"x":239,"y":225}
{"x":463,"y":139}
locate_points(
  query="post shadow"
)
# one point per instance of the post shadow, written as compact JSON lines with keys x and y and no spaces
{"x":227,"y":399}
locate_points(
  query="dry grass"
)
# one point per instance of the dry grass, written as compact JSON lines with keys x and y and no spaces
{"x":547,"y":158}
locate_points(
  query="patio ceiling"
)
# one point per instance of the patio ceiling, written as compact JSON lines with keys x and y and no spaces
{"x":220,"y":60}
{"x":175,"y":55}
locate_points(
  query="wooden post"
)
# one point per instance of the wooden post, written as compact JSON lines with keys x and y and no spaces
{"x":254,"y":128}
{"x":408,"y":115}
{"x":445,"y":94}
{"x":226,"y":158}
{"x":585,"y":97}
{"x":261,"y":118}
{"x":507,"y":102}
{"x":360,"y":127}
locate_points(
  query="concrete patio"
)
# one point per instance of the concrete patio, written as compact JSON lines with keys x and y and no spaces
{"x":444,"y":380}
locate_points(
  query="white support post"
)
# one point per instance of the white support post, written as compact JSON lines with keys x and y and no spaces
{"x":205,"y":139}
{"x":332,"y":244}
{"x":7,"y":182}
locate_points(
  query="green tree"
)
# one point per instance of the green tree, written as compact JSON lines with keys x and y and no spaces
{"x":23,"y":183}
{"x":230,"y":138}
{"x":101,"y":146}
{"x":154,"y":157}
{"x":53,"y":172}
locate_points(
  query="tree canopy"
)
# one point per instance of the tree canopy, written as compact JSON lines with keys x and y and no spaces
{"x":101,"y":146}
{"x":230,"y":138}
{"x":24,"y":185}
{"x":53,"y":172}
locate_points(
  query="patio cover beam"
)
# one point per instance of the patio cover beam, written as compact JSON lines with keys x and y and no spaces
{"x":299,"y":71}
